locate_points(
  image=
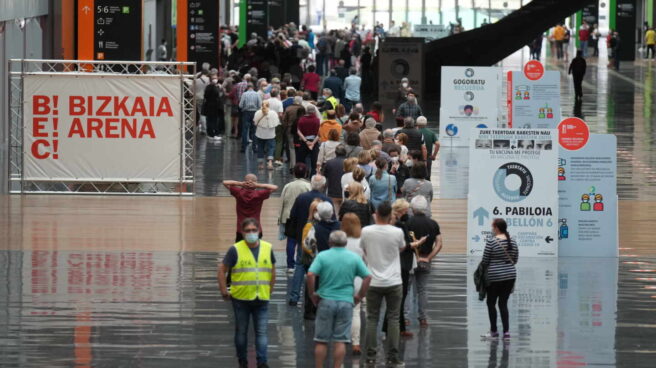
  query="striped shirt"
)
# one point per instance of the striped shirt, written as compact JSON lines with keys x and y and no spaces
{"x":250,"y":101}
{"x":240,"y":88}
{"x":500,"y":268}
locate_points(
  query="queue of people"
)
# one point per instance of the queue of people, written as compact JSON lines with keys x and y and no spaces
{"x":357,"y":215}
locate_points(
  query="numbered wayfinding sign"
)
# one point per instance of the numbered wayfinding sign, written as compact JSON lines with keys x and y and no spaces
{"x":469,"y":99}
{"x":533,"y":97}
{"x":511,"y":177}
{"x":587,"y":186}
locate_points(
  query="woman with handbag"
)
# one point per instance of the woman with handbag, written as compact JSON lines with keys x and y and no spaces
{"x":382,"y":185}
{"x":358,"y":204}
{"x":500,"y":256}
{"x":420,"y":226}
{"x":266,"y":121}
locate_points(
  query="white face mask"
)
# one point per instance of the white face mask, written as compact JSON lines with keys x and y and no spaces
{"x":395,"y":159}
{"x":408,"y":163}
{"x":316,"y":216}
{"x":405,"y":84}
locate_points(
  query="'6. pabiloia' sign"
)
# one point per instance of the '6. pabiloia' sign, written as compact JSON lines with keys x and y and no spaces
{"x":511,"y":176}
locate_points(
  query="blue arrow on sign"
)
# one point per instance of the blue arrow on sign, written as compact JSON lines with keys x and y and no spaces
{"x":481,"y":214}
{"x":476,"y":238}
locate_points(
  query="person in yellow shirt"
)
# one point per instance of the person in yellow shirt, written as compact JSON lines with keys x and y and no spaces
{"x":650,"y":41}
{"x":328,"y":124}
{"x":559,"y":37}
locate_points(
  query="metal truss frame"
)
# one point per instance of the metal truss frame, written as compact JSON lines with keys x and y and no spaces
{"x":19,"y":68}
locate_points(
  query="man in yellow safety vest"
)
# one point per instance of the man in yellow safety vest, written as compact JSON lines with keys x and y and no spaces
{"x":251,"y":265}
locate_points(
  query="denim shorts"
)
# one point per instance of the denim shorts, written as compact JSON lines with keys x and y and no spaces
{"x":333,"y":321}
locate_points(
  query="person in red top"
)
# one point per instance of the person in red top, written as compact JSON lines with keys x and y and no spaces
{"x":584,"y":37}
{"x":310,"y":82}
{"x":249,"y":195}
{"x":308,"y":134}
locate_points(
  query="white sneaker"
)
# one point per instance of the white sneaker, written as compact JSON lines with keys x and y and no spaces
{"x":490,"y":336}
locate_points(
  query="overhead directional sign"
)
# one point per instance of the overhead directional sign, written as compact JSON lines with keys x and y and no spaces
{"x":109,"y":30}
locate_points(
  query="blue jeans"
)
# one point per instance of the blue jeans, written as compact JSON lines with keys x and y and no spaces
{"x":266,"y":144}
{"x":291,"y":252}
{"x":299,"y":275}
{"x":246,"y":128}
{"x":243,"y":309}
{"x":584,"y":48}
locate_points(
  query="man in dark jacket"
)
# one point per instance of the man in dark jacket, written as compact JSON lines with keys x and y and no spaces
{"x":299,"y":216}
{"x":577,"y":70}
{"x":334,"y":84}
{"x":415,"y":138}
{"x":333,"y":171}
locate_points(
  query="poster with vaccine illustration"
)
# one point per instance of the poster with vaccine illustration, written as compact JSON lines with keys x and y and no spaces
{"x":469,"y":99}
{"x":511,"y":177}
{"x":533,"y":98}
{"x":587,"y":188}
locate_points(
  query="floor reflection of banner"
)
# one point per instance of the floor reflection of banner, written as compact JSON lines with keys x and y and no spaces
{"x":587,"y":304}
{"x":533,"y":309}
{"x":97,"y":277}
{"x":454,"y":172}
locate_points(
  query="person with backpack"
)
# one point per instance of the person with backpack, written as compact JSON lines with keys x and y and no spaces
{"x":500,"y":256}
{"x":324,"y":51}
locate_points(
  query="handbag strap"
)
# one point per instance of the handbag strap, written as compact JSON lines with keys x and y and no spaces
{"x":506,"y":252}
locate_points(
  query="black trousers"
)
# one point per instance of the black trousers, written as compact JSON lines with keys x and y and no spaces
{"x":304,"y":153}
{"x":578,"y":85}
{"x":499,"y":291}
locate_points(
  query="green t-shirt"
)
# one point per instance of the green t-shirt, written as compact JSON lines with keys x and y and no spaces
{"x":337,"y":267}
{"x":429,"y":139}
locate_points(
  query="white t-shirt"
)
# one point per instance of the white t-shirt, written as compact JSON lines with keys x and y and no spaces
{"x":266,"y":125}
{"x":348,"y":179}
{"x":382,"y":245}
{"x":275,"y":105}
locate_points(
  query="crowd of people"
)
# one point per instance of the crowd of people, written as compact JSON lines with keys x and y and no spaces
{"x":350,"y":252}
{"x":356,"y":217}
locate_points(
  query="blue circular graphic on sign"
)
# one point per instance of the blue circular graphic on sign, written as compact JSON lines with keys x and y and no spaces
{"x":451,"y":130}
{"x":481,"y":126}
{"x":516,"y":195}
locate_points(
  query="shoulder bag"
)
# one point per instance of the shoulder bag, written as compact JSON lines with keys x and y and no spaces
{"x":422,"y":266}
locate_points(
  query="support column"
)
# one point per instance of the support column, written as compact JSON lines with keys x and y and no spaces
{"x":612,"y":14}
{"x":650,"y":12}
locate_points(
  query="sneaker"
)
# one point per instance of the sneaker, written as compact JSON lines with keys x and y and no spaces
{"x":290,"y":271}
{"x":243,"y":364}
{"x":395,"y":363}
{"x":292,"y":303}
{"x":490,"y":336}
{"x":506,"y":335}
{"x":278,"y":163}
{"x":262,"y":365}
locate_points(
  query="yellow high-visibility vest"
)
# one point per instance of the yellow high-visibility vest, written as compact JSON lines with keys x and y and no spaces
{"x":251,"y":279}
{"x":333,"y":102}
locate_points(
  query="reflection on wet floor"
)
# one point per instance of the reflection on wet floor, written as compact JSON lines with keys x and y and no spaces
{"x":162,"y":309}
